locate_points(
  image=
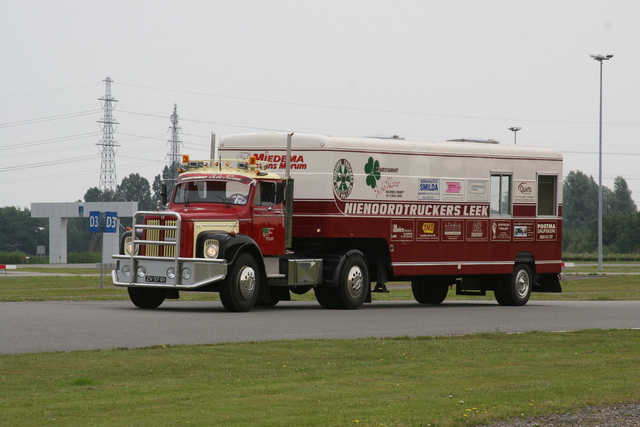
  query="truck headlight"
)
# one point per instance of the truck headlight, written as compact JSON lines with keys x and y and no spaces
{"x":211,"y":249}
{"x":129,"y":247}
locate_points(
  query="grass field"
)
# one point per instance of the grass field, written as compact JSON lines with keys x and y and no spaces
{"x":442,"y":381}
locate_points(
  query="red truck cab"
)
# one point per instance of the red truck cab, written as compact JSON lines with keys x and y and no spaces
{"x":219,"y":219}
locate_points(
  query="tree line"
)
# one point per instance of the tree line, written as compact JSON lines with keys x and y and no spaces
{"x":621,"y":219}
{"x":20,"y":234}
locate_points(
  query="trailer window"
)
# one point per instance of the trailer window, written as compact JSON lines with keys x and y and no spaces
{"x":500,"y":194}
{"x":547,"y":185}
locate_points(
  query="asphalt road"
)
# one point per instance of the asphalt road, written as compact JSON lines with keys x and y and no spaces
{"x":65,"y":326}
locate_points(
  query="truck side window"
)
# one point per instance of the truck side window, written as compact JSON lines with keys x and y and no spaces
{"x":547,"y":194}
{"x":500,"y":194}
{"x":265,"y":194}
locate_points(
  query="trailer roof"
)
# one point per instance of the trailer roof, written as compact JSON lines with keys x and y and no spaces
{"x":303,"y":141}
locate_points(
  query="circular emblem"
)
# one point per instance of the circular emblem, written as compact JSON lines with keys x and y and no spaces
{"x":342,"y":179}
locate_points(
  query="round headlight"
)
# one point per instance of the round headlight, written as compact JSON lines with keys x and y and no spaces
{"x":211,"y":249}
{"x":171,"y":273}
{"x":129,"y":248}
{"x":141,"y":272}
{"x":126,"y":270}
{"x":186,"y":274}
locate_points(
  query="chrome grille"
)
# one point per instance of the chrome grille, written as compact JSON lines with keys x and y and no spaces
{"x":160,"y":235}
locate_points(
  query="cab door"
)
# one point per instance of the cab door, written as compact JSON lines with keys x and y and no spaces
{"x":268,"y":219}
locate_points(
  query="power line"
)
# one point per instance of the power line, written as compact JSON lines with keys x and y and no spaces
{"x":370,"y":110}
{"x":49,"y":163}
{"x":50,"y":141}
{"x":45,"y":91}
{"x":48,"y":119}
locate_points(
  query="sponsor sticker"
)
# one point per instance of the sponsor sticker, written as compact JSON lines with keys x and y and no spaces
{"x":500,"y":230}
{"x":477,"y":231}
{"x":453,"y":231}
{"x":453,"y":189}
{"x":524,"y":192}
{"x":428,"y":189}
{"x":523,"y":230}
{"x":477,"y":190}
{"x":428,"y":230}
{"x":342,"y":179}
{"x":402,"y":230}
{"x":546,"y":231}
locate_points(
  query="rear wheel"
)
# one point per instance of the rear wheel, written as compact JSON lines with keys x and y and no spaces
{"x":353,"y":284}
{"x":516,"y":289}
{"x":240,"y":291}
{"x":429,"y":291}
{"x":147,"y":297}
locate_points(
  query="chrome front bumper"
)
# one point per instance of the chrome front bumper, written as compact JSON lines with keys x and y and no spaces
{"x":174,"y":273}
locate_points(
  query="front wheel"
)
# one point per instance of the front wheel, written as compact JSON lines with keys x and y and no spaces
{"x":240,"y":291}
{"x":147,"y":297}
{"x":516,"y":289}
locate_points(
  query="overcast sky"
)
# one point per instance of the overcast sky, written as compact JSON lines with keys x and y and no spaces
{"x":430,"y":70}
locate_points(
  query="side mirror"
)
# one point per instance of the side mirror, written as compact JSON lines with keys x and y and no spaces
{"x":163,"y":194}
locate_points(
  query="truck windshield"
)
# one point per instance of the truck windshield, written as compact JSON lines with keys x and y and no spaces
{"x":227,"y":192}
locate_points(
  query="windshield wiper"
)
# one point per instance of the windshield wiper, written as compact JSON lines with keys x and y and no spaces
{"x":224,"y":201}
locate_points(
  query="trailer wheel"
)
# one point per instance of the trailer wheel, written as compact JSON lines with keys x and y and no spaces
{"x":517,"y":289}
{"x":353,"y":284}
{"x":240,"y":291}
{"x":499,"y":289}
{"x":427,"y":291}
{"x":147,"y":297}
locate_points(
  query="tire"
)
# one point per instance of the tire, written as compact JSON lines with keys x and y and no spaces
{"x":427,"y":291}
{"x":147,"y":297}
{"x":324,"y":297}
{"x":353,"y":284}
{"x":240,"y":291}
{"x":272,"y":302}
{"x":499,"y":289}
{"x":516,"y":291}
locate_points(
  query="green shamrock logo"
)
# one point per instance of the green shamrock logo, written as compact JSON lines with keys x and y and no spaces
{"x":371,"y":169}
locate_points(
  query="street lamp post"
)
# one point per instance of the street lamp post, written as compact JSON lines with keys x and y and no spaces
{"x":600,"y":58}
{"x":514,"y":130}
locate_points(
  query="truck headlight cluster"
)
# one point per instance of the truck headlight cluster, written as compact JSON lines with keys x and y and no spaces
{"x":211,"y":249}
{"x":129,"y":247}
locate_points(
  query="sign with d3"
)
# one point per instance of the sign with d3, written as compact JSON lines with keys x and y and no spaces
{"x":94,"y":221}
{"x":110,"y":222}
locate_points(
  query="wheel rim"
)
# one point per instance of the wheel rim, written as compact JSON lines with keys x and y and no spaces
{"x":355,"y":281}
{"x":247,"y":283}
{"x":522,"y":284}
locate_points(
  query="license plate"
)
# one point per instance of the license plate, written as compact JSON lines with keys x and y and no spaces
{"x":155,"y":279}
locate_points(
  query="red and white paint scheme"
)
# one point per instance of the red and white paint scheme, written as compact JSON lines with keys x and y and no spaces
{"x":476,"y":215}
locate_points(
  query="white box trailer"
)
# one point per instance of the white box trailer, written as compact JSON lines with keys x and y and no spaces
{"x":475,"y":213}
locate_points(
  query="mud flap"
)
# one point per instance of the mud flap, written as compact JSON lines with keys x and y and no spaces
{"x":549,"y":282}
